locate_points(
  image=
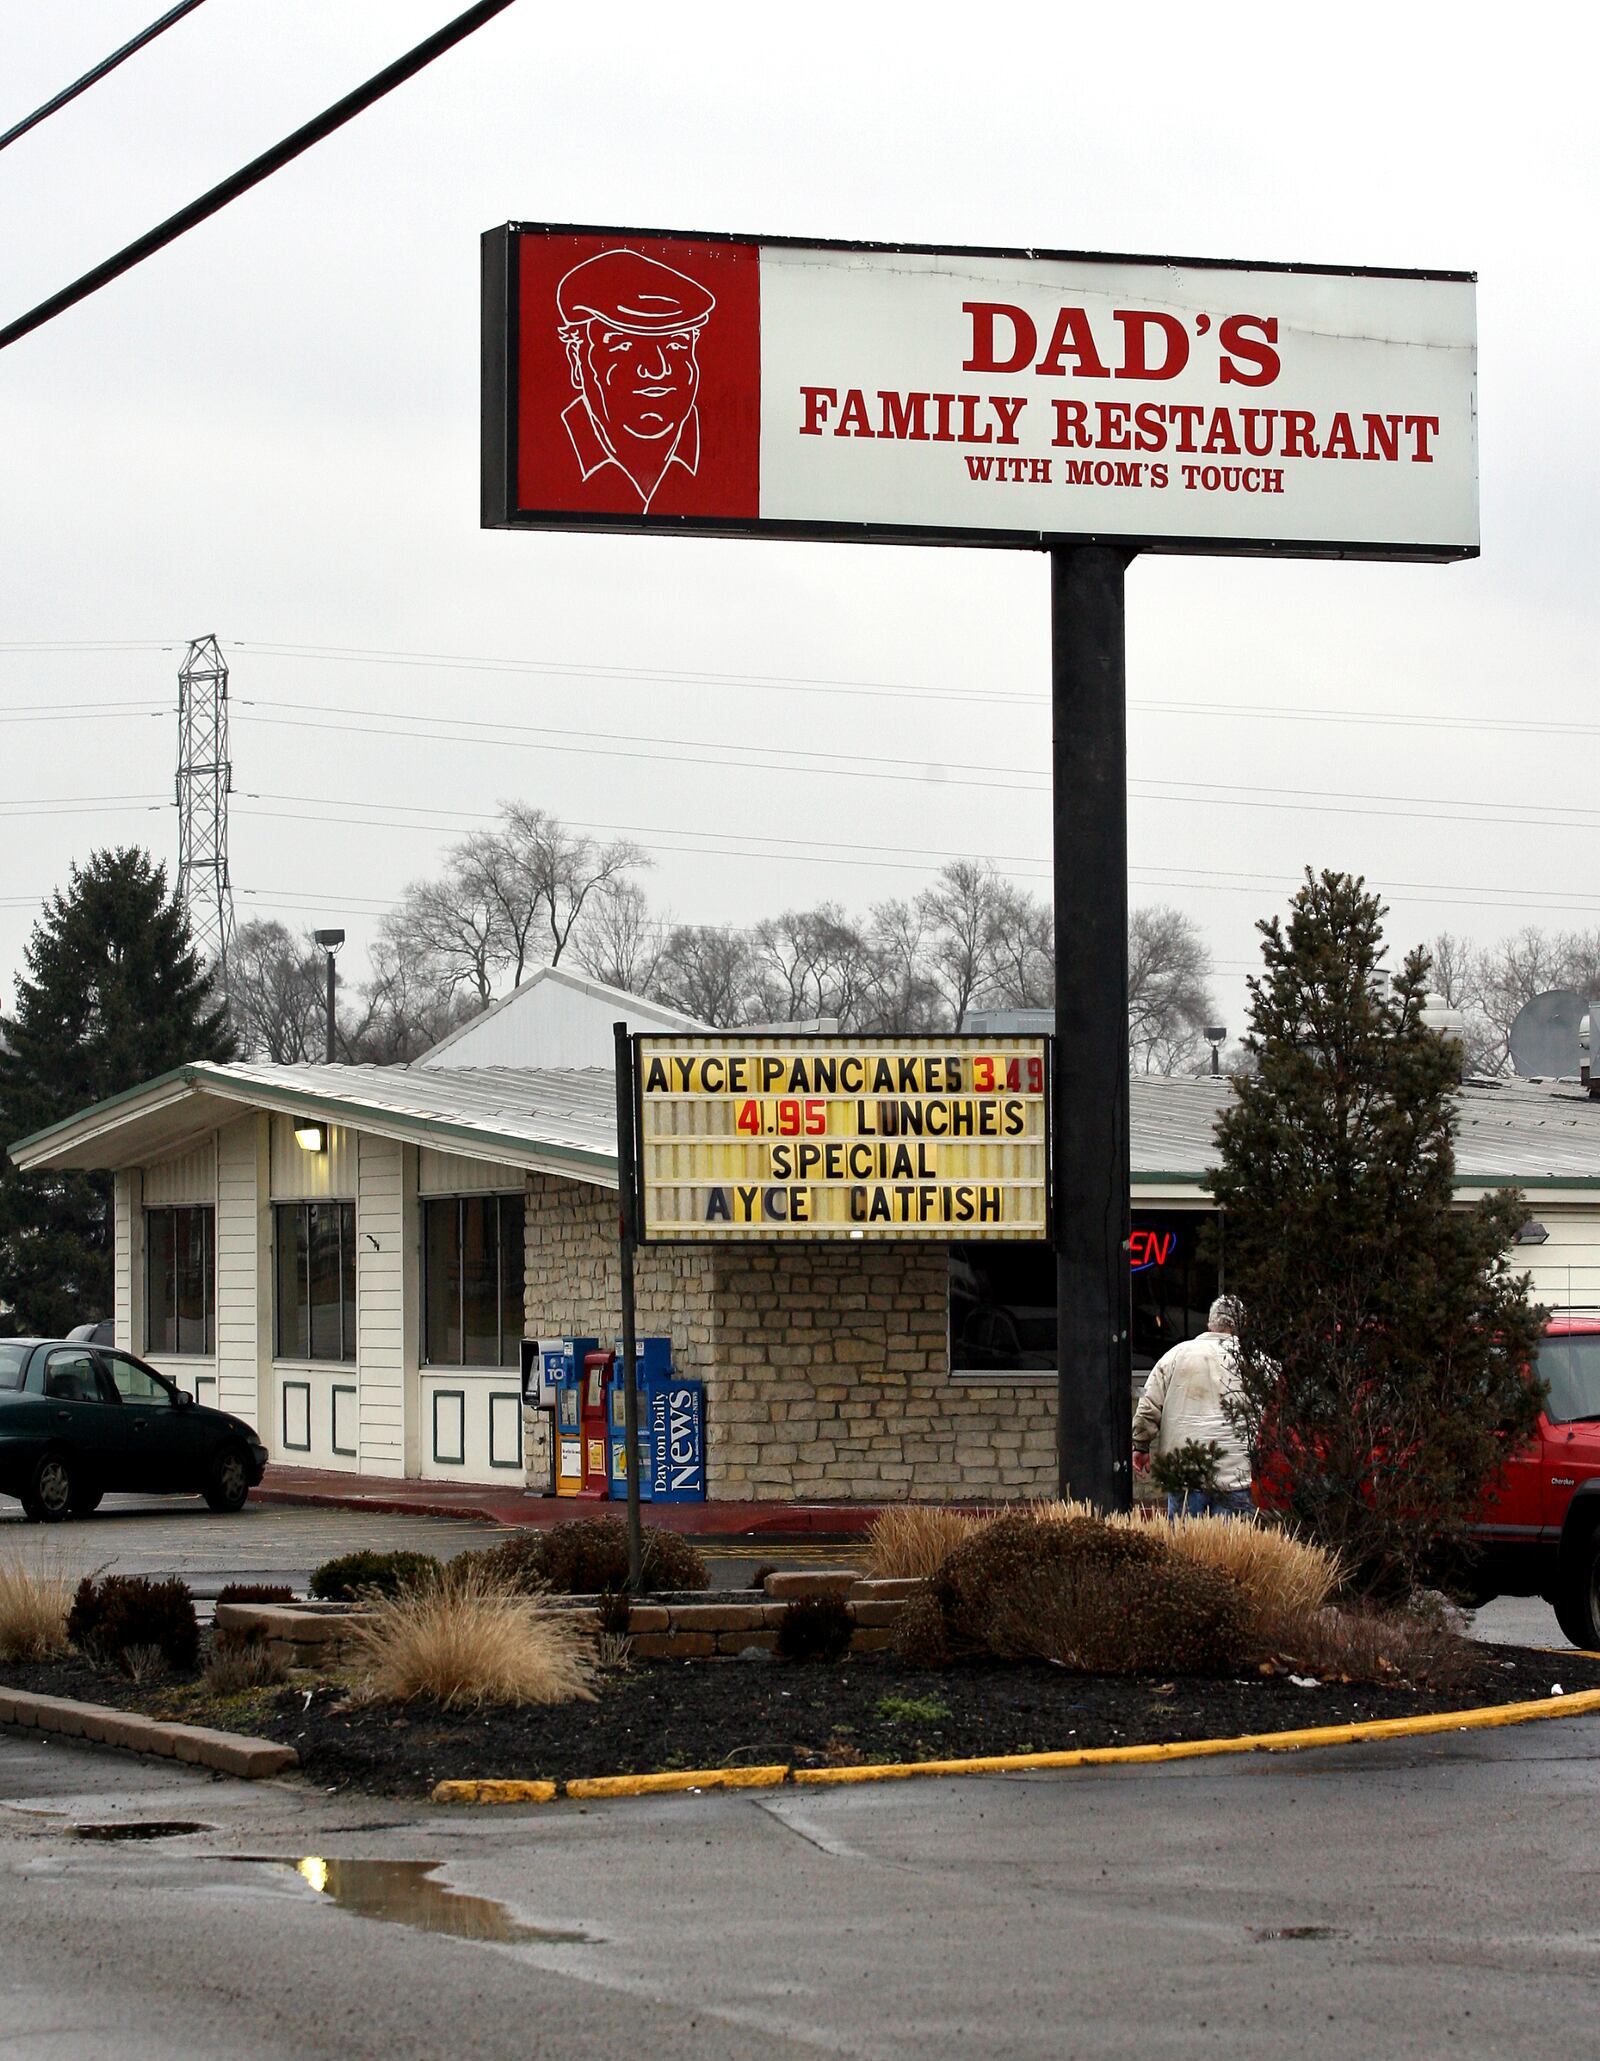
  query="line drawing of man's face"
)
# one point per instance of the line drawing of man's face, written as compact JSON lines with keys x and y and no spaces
{"x":636,"y":386}
{"x":630,"y":327}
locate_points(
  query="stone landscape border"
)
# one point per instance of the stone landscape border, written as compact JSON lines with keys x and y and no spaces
{"x":596,"y":1787}
{"x":230,"y":1753}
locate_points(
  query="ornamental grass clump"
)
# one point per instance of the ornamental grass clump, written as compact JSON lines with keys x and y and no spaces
{"x":910,"y":1541}
{"x":34,"y":1601}
{"x":1286,"y":1580}
{"x":468,"y":1643}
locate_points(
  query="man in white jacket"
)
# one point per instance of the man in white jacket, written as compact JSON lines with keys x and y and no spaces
{"x":1192,"y":1397}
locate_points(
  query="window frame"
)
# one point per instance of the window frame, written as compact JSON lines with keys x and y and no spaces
{"x":207,"y":1350}
{"x":511,"y":1325}
{"x":284,"y":1216}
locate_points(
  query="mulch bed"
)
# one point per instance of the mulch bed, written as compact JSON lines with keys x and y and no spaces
{"x":702,"y":1714}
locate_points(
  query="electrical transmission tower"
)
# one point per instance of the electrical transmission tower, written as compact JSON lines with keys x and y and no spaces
{"x":205,"y":779}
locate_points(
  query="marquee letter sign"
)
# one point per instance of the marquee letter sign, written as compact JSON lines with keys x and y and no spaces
{"x":778,"y":1138}
{"x":638,"y":379}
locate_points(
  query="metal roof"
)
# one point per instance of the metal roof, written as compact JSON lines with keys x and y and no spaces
{"x":554,"y":1121}
{"x":562,"y":1120}
{"x":1534,"y":1133}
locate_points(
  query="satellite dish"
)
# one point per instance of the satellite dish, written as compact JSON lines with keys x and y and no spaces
{"x":1544,"y":1036}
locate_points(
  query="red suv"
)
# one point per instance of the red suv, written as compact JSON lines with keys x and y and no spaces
{"x":1540,"y":1531}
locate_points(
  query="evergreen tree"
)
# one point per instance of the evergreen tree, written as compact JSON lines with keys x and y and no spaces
{"x":115,"y":993}
{"x":1386,"y":1339}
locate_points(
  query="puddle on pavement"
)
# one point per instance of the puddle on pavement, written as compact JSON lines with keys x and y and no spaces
{"x":403,"y":1893}
{"x":143,"y":1828}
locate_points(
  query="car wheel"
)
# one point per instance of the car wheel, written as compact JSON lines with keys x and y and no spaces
{"x":52,"y":1489}
{"x":1577,"y":1601}
{"x":86,"y":1501}
{"x":229,"y":1484}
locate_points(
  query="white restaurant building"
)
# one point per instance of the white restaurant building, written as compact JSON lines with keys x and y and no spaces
{"x":349,"y":1257}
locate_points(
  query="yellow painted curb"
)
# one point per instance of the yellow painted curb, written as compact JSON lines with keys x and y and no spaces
{"x":1483,"y":1717}
{"x":495,"y":1792}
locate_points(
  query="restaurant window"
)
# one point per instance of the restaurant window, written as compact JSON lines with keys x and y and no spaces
{"x":472,"y":1281}
{"x":1003,"y":1297}
{"x":316,"y":1267}
{"x":180,"y":1281}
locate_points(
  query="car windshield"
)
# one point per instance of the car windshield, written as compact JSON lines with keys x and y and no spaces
{"x":1571,"y":1366}
{"x":13,"y":1358}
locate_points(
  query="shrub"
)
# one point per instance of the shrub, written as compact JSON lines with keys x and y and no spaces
{"x":1189,"y":1469}
{"x":1095,"y":1596}
{"x":33,"y":1609}
{"x":353,"y":1576}
{"x":237,"y":1664}
{"x":911,"y":1541}
{"x":815,"y":1628}
{"x":918,"y":1636}
{"x":589,"y":1555}
{"x":1362,"y":1644}
{"x":113,"y":1617}
{"x":471,"y":1641}
{"x":256,"y":1592}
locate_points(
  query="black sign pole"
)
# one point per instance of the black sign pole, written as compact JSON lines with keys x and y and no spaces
{"x":1094,"y":1422}
{"x":628,"y":1231}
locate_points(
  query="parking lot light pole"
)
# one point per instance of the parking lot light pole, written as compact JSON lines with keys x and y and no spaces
{"x":330,"y":941}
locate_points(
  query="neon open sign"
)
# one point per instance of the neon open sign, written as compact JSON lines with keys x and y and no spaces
{"x":1150,"y":1249}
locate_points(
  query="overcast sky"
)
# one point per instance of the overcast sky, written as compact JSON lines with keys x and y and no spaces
{"x":270,"y":431}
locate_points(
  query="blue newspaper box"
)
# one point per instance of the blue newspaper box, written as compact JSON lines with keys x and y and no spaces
{"x":652,"y":1357}
{"x":566,"y":1365}
{"x":676,"y":1413}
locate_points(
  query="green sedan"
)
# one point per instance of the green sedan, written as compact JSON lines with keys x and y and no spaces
{"x":78,"y":1419}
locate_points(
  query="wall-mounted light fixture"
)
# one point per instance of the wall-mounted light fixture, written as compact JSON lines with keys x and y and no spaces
{"x":309,"y":1135}
{"x":1532,"y":1233}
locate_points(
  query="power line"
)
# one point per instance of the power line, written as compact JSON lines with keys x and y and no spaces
{"x":106,"y":64}
{"x":252,"y":174}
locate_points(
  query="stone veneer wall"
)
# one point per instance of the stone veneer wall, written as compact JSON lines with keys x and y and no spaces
{"x":826,"y":1366}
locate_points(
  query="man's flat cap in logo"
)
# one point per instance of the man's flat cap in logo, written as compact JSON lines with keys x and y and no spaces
{"x":628,"y":291}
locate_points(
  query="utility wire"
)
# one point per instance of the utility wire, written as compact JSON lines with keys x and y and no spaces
{"x":106,"y":64}
{"x":252,"y":174}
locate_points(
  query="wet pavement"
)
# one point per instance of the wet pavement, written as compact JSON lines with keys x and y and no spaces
{"x":1165,"y":1911}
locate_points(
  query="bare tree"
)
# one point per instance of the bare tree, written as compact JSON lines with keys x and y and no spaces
{"x":709,"y":974}
{"x":277,"y":994}
{"x":401,"y":1012}
{"x":814,"y":962}
{"x":621,"y":942}
{"x":959,"y":910}
{"x":1022,"y":949}
{"x":904,"y":1000}
{"x":447,"y":934}
{"x":554,"y":872}
{"x":1169,"y":1002}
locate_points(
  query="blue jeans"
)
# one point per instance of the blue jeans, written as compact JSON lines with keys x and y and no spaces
{"x":1216,"y":1503}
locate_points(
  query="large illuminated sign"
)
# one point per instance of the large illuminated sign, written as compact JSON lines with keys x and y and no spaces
{"x":789,"y":1139}
{"x":651,"y":380}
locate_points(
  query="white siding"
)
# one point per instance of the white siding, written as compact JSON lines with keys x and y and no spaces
{"x":1566,"y":1268}
{"x":238,"y":1272}
{"x":127,"y":1260}
{"x":380,"y":1303}
{"x":190,"y":1178}
{"x":553,"y":1019}
{"x":449,"y":1173}
{"x":301,"y":1176}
